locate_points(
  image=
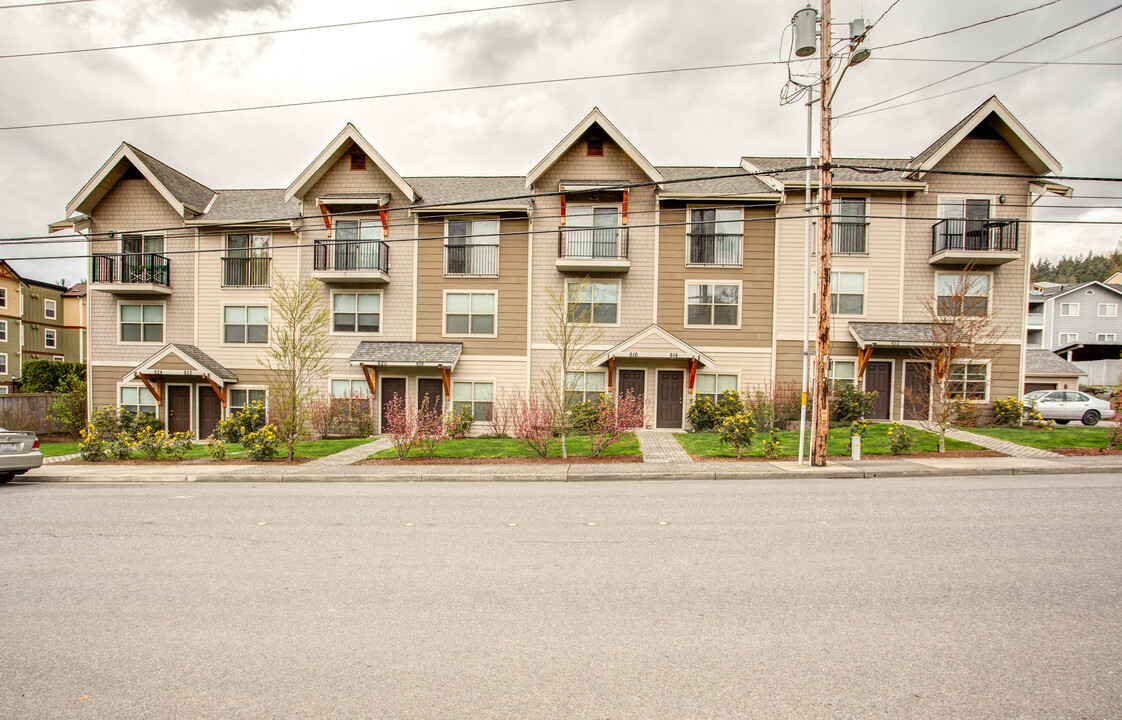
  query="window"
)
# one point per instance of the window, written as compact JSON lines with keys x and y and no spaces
{"x":843,"y":372}
{"x":3,"y":363}
{"x":472,"y":247}
{"x":964,"y":223}
{"x":469,"y":313}
{"x":349,"y":388}
{"x":50,"y":338}
{"x":50,"y":309}
{"x":357,"y":312}
{"x":137,"y":400}
{"x":358,"y":161}
{"x":245,"y":324}
{"x":3,"y":330}
{"x":1105,"y":337}
{"x":357,"y":246}
{"x":715,"y":235}
{"x":142,"y":323}
{"x":593,"y":302}
{"x":3,"y":388}
{"x":142,"y":244}
{"x":968,"y":381}
{"x":3,"y":297}
{"x":712,"y":386}
{"x":58,"y":358}
{"x":595,"y":146}
{"x":581,"y":387}
{"x":713,"y":304}
{"x":246,"y":263}
{"x":240,"y":398}
{"x":593,"y":232}
{"x":1069,"y":338}
{"x":475,"y":396}
{"x":964,"y":294}
{"x":1108,"y":310}
{"x":848,"y":231}
{"x":1069,"y":309}
{"x":847,"y":293}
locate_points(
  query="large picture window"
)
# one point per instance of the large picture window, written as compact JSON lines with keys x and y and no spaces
{"x":581,"y":387}
{"x":469,"y":313}
{"x":713,"y":304}
{"x":142,"y":323}
{"x":968,"y":381}
{"x":712,"y":386}
{"x":357,"y":312}
{"x":476,"y":396}
{"x":964,"y":294}
{"x":239,"y":399}
{"x":137,"y":400}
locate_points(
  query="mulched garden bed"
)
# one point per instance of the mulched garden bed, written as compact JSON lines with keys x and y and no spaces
{"x":846,"y":458}
{"x":505,"y":461}
{"x":1083,"y":452}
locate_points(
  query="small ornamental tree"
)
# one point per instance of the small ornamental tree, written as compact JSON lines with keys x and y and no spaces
{"x":613,"y":421}
{"x":401,"y":425}
{"x":532,"y":423}
{"x":431,"y":428}
{"x":738,"y":430}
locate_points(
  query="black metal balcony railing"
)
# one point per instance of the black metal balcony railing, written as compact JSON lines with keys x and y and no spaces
{"x":471,"y":259}
{"x":362,"y":255}
{"x":715,"y":248}
{"x":132,"y":268}
{"x":982,"y":235}
{"x":245,"y":271}
{"x":849,"y":238}
{"x":608,"y":243}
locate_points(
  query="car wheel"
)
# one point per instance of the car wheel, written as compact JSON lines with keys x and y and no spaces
{"x":1091,"y":417}
{"x":6,"y":477}
{"x":1061,"y":422}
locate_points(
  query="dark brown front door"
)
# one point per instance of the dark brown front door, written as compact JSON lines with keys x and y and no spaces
{"x":669,"y":412}
{"x":433,"y":389}
{"x":633,"y":382}
{"x":179,"y":409}
{"x":917,"y":390}
{"x":878,"y":378}
{"x":210,"y":410}
{"x":391,"y":387}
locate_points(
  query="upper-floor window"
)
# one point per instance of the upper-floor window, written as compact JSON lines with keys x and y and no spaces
{"x":963,"y":294}
{"x":847,"y":293}
{"x":239,"y":399}
{"x":50,"y":338}
{"x":357,"y":312}
{"x":356,"y":245}
{"x":711,"y":386}
{"x":715,"y":236}
{"x":968,"y":381}
{"x":4,"y":364}
{"x":142,"y":244}
{"x":476,"y":397}
{"x":142,"y":323}
{"x":245,"y":324}
{"x":469,"y":313}
{"x":592,"y":231}
{"x":472,"y":247}
{"x":358,"y":230}
{"x":593,"y":302}
{"x":713,"y":304}
{"x":50,"y":309}
{"x":3,"y":330}
{"x":1108,"y":309}
{"x":847,"y":233}
{"x":1068,"y":338}
{"x":1105,"y":337}
{"x":1069,"y":309}
{"x":246,"y":263}
{"x":3,"y":297}
{"x":582,"y":387}
{"x":137,"y":400}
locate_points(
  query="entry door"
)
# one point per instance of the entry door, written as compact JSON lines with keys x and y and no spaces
{"x":634,"y":382}
{"x":179,"y":409}
{"x":669,"y":412}
{"x":878,"y":377}
{"x":210,"y":410}
{"x":391,"y":387}
{"x":917,"y":391}
{"x":433,"y":389}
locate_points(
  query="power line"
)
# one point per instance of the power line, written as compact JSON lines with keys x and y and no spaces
{"x":993,"y":62}
{"x":1049,"y":36}
{"x":967,"y":27}
{"x":261,"y":33}
{"x":42,"y":4}
{"x":887,"y":10}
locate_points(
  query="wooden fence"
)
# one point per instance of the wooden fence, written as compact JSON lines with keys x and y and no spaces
{"x":26,"y":411}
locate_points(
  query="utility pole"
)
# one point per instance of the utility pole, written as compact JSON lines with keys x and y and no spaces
{"x":821,"y":426}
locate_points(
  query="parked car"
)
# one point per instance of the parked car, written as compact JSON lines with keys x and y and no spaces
{"x":1063,"y":406}
{"x":19,"y":452}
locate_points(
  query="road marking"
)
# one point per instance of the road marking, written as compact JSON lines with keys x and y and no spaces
{"x":591,"y":524}
{"x":262,"y":523}
{"x":408,"y":524}
{"x":663,"y":522}
{"x":182,"y":497}
{"x":512,"y":524}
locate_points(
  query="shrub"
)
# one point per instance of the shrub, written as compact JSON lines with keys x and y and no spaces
{"x":347,"y":416}
{"x":249,"y":419}
{"x":458,"y":423}
{"x":613,"y":421}
{"x":179,"y":444}
{"x":583,"y":416}
{"x":738,"y":431}
{"x":966,"y":413}
{"x":431,"y":430}
{"x":729,"y":404}
{"x":90,"y":444}
{"x":1009,"y":412}
{"x":773,"y":405}
{"x":1114,"y":437}
{"x":69,"y":407}
{"x":150,"y":443}
{"x":119,"y":446}
{"x":703,"y":415}
{"x":216,"y":447}
{"x":899,"y":439}
{"x":1034,"y":419}
{"x":262,"y":444}
{"x":401,"y":425}
{"x":533,"y":424}
{"x":107,"y":421}
{"x":49,"y":376}
{"x":849,"y":402}
{"x":133,"y":424}
{"x":771,"y":444}
{"x":857,"y":428}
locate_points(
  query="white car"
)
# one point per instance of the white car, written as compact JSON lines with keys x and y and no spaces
{"x":1063,"y":406}
{"x":19,"y":452}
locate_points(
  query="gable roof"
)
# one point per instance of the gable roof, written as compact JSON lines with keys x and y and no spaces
{"x":681,"y":348}
{"x":182,"y":193}
{"x":1069,"y":289}
{"x":593,"y":118}
{"x":412,"y":354}
{"x":245,"y":206}
{"x":205,"y":365}
{"x":1003,"y":122}
{"x":1046,"y":362}
{"x":333,"y":152}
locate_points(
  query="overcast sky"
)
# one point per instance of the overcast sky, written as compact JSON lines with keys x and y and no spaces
{"x":704,"y":118}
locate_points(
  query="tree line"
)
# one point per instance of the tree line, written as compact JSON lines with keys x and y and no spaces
{"x":1078,"y":268}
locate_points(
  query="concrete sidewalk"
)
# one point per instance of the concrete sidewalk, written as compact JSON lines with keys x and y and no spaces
{"x":576,"y":472}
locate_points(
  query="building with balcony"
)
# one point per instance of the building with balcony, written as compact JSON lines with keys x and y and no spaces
{"x":441,"y":286}
{"x":38,"y":321}
{"x":1081,"y":323}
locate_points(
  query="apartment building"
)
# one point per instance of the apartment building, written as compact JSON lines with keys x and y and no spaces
{"x":38,"y":321}
{"x":440,"y":287}
{"x":1079,"y":322}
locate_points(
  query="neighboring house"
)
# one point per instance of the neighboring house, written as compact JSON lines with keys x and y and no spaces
{"x":1044,"y":370}
{"x":439,"y":286}
{"x":36,"y":323}
{"x":1081,"y":322}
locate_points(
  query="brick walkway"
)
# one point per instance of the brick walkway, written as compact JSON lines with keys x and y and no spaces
{"x":659,"y":446}
{"x":1003,"y":446}
{"x":352,"y":455}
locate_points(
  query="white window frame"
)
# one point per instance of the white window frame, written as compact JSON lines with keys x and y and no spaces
{"x":50,"y":338}
{"x":583,"y":390}
{"x":1112,"y":307}
{"x":140,"y":389}
{"x":838,"y":201}
{"x":1074,"y":338}
{"x":249,"y":250}
{"x":864,"y":292}
{"x":444,"y":313}
{"x":245,"y":344}
{"x":709,"y":281}
{"x":3,"y":389}
{"x":50,"y":309}
{"x":3,"y":331}
{"x":843,"y":359}
{"x":590,"y":283}
{"x":473,"y":383}
{"x":944,"y":199}
{"x":989,"y":379}
{"x":960,"y":273}
{"x":689,"y":232}
{"x":163,"y":324}
{"x":4,"y":363}
{"x":717,"y":391}
{"x":231,"y":408}
{"x":3,"y":297}
{"x":358,"y":333}
{"x":473,"y":219}
{"x":1106,"y":337}
{"x":143,"y":236}
{"x":58,"y":358}
{"x":360,"y":220}
{"x":1064,"y":307}
{"x":351,"y":380}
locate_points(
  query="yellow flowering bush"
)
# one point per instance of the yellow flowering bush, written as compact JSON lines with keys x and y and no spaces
{"x":771,"y":444}
{"x":738,"y":430}
{"x":216,"y":447}
{"x":262,"y":444}
{"x":90,"y":444}
{"x":150,"y":443}
{"x":179,"y":444}
{"x":899,"y":439}
{"x":119,"y":446}
{"x":1008,"y":412}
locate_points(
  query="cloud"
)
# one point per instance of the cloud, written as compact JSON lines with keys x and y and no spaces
{"x":487,"y":50}
{"x":209,"y":9}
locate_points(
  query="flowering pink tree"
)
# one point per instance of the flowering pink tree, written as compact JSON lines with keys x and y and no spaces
{"x":431,"y":428}
{"x":613,"y":421}
{"x":533,"y":423}
{"x":402,"y":425}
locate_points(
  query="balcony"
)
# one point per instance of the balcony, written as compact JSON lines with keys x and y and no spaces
{"x":132,"y":274}
{"x":593,"y":249}
{"x":984,"y":241}
{"x":471,"y":260}
{"x":1035,"y":321}
{"x":714,"y":249}
{"x":849,"y":238}
{"x":351,"y":261}
{"x":245,"y":272}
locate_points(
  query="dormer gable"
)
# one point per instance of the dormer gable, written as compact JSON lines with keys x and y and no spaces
{"x":592,"y":131}
{"x":186,"y":196}
{"x":347,"y":139}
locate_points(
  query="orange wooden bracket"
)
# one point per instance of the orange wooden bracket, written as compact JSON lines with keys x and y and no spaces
{"x":625,"y":206}
{"x":693,"y":373}
{"x":371,"y":376}
{"x":156,"y":390}
{"x":611,"y":373}
{"x":326,"y":216}
{"x":562,"y":208}
{"x":863,"y":356}
{"x":219,"y":391}
{"x":385,"y":215}
{"x":446,"y":378}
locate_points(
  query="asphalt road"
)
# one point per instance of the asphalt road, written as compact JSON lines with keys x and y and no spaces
{"x":995,"y":597}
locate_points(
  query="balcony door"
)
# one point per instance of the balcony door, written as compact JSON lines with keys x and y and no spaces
{"x":715,"y":236}
{"x":966,"y":226}
{"x":356,"y":244}
{"x":593,"y":231}
{"x":471,"y":247}
{"x":247,"y":261}
{"x":137,"y":263}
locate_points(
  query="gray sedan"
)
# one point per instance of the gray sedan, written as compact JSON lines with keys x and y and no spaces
{"x":1063,"y":406}
{"x":19,"y":452}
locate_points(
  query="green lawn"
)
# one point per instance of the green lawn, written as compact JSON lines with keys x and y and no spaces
{"x":310,"y":449}
{"x":1049,"y":438}
{"x":506,"y":447}
{"x":53,"y":449}
{"x":875,"y":442}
